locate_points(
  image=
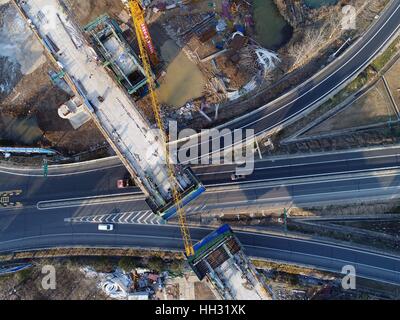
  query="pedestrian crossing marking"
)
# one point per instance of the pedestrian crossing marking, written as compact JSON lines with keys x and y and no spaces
{"x":133,"y":217}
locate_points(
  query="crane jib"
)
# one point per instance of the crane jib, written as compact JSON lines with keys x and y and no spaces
{"x":147,"y":38}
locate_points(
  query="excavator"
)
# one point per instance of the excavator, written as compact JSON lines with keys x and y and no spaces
{"x":149,"y":57}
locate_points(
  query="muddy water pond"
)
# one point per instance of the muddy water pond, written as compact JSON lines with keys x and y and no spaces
{"x":319,"y":3}
{"x":271,"y":28}
{"x":183,"y":80}
{"x":21,"y":131}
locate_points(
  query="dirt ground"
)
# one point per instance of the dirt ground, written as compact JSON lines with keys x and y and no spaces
{"x":42,"y":100}
{"x":385,"y":227}
{"x":391,"y":206}
{"x":87,"y":10}
{"x":392,"y":77}
{"x":373,"y":107}
{"x":71,"y":284}
{"x":29,"y":115}
{"x":290,"y":282}
{"x":202,"y":291}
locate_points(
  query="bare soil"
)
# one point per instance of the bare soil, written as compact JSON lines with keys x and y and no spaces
{"x":373,"y":107}
{"x":385,"y":227}
{"x":71,"y":284}
{"x":86,"y":11}
{"x":35,"y":95}
{"x":392,"y":77}
{"x":202,"y":291}
{"x":377,"y":207}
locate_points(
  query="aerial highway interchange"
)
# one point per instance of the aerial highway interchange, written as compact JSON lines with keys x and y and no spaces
{"x":68,"y":191}
{"x":39,"y":216}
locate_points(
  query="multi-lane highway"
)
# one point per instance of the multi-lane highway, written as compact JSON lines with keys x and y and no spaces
{"x":334,"y":76}
{"x":325,"y":83}
{"x":37,"y":212}
{"x":291,"y":177}
{"x":62,"y":223}
{"x":323,"y":255}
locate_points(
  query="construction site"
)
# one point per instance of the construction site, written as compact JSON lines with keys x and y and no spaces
{"x":221,"y":259}
{"x":105,"y":79}
{"x":201,"y":54}
{"x":115,"y":114}
{"x":208,"y":59}
{"x":114,"y":51}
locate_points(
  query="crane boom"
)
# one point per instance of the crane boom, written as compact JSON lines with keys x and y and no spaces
{"x":143,"y":37}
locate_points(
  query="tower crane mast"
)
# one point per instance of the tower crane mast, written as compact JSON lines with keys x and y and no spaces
{"x":147,"y":56}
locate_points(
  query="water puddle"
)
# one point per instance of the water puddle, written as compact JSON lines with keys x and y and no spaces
{"x":183,"y":80}
{"x":272,"y":29}
{"x":22,"y":131}
{"x":319,"y":3}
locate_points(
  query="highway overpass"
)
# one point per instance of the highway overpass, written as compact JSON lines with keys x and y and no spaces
{"x":26,"y":227}
{"x":140,"y":148}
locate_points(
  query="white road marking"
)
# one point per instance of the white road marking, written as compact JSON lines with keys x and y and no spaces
{"x":151,"y":214}
{"x":119,"y":218}
{"x":302,"y":177}
{"x":4,"y":170}
{"x":136,"y":215}
{"x":352,"y":57}
{"x":141,"y":217}
{"x":302,"y":164}
{"x":125,"y":220}
{"x":87,"y":201}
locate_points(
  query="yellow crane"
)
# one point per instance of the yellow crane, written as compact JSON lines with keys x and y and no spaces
{"x":144,"y":41}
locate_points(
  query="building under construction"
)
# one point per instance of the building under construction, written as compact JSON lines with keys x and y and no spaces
{"x":221,"y":259}
{"x":117,"y":116}
{"x":111,"y":46}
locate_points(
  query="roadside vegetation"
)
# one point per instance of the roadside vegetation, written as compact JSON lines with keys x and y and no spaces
{"x":380,"y":62}
{"x":307,"y":39}
{"x":297,"y":138}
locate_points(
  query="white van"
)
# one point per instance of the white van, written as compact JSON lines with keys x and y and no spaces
{"x":106,"y":227}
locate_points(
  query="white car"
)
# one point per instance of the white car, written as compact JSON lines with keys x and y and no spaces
{"x":106,"y":227}
{"x":235,"y":177}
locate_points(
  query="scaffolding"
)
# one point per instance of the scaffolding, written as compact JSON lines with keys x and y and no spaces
{"x":221,"y":259}
{"x":110,"y":107}
{"x":115,"y":52}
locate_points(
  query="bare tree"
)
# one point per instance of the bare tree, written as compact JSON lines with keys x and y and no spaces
{"x":319,"y":36}
{"x":302,"y":51}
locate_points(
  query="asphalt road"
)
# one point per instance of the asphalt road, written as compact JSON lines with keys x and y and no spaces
{"x":27,"y":227}
{"x":335,"y":76}
{"x":273,"y":176}
{"x":326,"y":256}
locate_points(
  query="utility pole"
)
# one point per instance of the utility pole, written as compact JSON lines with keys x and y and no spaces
{"x":45,"y":167}
{"x":285,"y":219}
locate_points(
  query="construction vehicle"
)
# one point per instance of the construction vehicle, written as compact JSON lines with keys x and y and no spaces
{"x":144,"y":41}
